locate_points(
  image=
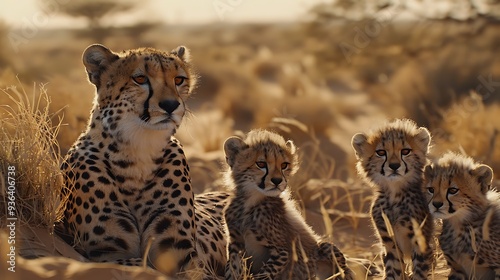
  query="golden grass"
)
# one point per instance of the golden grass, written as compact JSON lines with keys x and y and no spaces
{"x":28,"y":141}
{"x":470,"y":127}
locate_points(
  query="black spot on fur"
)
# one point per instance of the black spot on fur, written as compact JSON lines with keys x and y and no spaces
{"x":163,"y":226}
{"x":168,"y":183}
{"x":166,"y":243}
{"x":125,"y":225}
{"x":99,"y":194}
{"x":123,"y":163}
{"x":98,"y":230}
{"x":103,"y":180}
{"x":183,"y":244}
{"x":176,"y":193}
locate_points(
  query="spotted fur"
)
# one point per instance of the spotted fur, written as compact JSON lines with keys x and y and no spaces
{"x":129,"y":187}
{"x":263,"y":222}
{"x":392,"y":160}
{"x":459,"y":192}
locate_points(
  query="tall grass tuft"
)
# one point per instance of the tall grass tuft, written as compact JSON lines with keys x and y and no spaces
{"x":28,"y":143}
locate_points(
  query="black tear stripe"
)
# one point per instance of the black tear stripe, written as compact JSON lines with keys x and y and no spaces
{"x":145,"y":114}
{"x":383,"y":164}
{"x":450,"y":208}
{"x":406,"y":165}
{"x":262,"y":184}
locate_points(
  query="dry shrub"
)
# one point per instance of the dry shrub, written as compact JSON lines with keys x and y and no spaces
{"x":421,"y":88}
{"x":28,"y":141}
{"x":469,"y":126}
{"x":62,"y":102}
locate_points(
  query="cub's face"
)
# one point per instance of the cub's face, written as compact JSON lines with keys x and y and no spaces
{"x":143,"y":88}
{"x":455,"y":190}
{"x":397,"y":153}
{"x":262,"y":162}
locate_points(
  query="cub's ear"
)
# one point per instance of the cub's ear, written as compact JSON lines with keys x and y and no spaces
{"x":428,"y":172}
{"x":423,"y":139}
{"x":291,"y":146}
{"x":183,"y":53}
{"x":232,"y":146}
{"x":359,"y":142}
{"x":484,"y":175}
{"x":96,"y":59}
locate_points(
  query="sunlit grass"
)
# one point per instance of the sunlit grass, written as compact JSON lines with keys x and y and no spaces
{"x":28,"y":143}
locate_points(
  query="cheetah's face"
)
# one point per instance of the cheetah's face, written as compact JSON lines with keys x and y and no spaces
{"x":454,"y":189}
{"x":140,"y":89}
{"x":394,"y":154}
{"x":264,"y":161}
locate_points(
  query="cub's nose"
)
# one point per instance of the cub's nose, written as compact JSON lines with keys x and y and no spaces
{"x":394,"y":166}
{"x":437,"y":204}
{"x":276,"y":181}
{"x":169,"y":105}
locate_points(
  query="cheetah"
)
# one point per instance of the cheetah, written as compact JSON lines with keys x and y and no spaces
{"x":129,"y":190}
{"x":263,"y":222}
{"x":459,"y":192}
{"x":392,"y":160}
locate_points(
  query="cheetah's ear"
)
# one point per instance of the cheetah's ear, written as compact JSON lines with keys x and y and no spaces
{"x":428,"y":172}
{"x":183,"y":53}
{"x":359,"y":142}
{"x":423,"y":139}
{"x":96,"y":59}
{"x":291,"y":146}
{"x":484,"y":175}
{"x":232,"y":146}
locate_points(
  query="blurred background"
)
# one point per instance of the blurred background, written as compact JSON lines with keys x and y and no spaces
{"x":315,"y":71}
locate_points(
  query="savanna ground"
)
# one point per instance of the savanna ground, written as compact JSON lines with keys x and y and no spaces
{"x":291,"y":78}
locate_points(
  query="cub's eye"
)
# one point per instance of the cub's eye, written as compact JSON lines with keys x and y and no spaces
{"x":140,"y":79}
{"x":452,"y":190}
{"x":284,"y":165}
{"x":430,"y":190}
{"x":261,"y":164}
{"x":179,"y":80}
{"x":380,"y":153}
{"x":405,"y":152}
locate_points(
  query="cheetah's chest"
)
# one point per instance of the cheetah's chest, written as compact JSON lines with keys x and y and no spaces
{"x":255,"y":249}
{"x":400,"y":210}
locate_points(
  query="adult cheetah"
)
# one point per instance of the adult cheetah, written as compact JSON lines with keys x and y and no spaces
{"x":130,"y":194}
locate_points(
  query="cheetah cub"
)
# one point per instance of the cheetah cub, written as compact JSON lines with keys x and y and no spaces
{"x":267,"y":234}
{"x":458,"y":191}
{"x":392,"y":160}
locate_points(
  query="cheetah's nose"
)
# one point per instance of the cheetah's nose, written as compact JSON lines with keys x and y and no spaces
{"x":276,"y":181}
{"x":437,"y":204}
{"x":394,"y":166}
{"x":169,"y":105}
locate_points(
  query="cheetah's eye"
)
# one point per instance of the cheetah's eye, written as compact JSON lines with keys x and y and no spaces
{"x":284,"y":165}
{"x":380,"y":153}
{"x":430,"y":190}
{"x":140,"y":79}
{"x":261,"y":164}
{"x":405,"y":152}
{"x":452,"y":190}
{"x":179,"y":80}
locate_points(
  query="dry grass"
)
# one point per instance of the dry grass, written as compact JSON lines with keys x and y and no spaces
{"x":28,"y":141}
{"x":470,"y":127}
